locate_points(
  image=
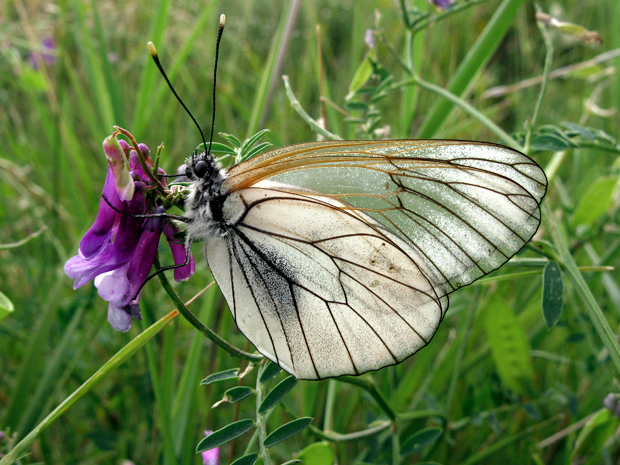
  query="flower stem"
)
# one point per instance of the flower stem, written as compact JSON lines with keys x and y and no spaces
{"x":543,"y":87}
{"x":196,"y":323}
{"x":260,"y":421}
{"x":371,"y":388}
{"x":304,"y":115}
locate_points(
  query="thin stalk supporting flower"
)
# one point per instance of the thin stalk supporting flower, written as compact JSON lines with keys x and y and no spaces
{"x":119,"y":249}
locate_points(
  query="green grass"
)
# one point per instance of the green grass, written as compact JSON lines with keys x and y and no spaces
{"x":152,"y":409}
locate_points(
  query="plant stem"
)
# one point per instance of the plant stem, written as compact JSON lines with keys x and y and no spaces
{"x":196,"y":323}
{"x":608,"y":337}
{"x":543,"y":87}
{"x":260,"y":421}
{"x":316,"y":127}
{"x":371,"y":388}
{"x":473,"y":112}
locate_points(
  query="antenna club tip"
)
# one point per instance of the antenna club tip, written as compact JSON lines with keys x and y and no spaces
{"x":222,"y":20}
{"x":152,"y":49}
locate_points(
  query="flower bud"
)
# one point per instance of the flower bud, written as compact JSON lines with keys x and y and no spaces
{"x":120,"y":167}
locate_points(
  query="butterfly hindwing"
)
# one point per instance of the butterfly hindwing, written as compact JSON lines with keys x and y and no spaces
{"x":327,"y":292}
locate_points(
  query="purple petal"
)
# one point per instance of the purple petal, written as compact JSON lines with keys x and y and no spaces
{"x":610,"y":402}
{"x":369,"y":38}
{"x":118,"y":317}
{"x":116,"y":254}
{"x":441,"y":3}
{"x":101,"y":231}
{"x":211,"y":456}
{"x":145,"y":150}
{"x":113,"y":285}
{"x":144,"y":255}
{"x":179,"y":255}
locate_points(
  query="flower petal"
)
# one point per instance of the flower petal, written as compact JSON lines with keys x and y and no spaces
{"x":144,"y":255}
{"x":102,"y":229}
{"x":120,"y":167}
{"x":114,"y":254}
{"x":179,"y":254}
{"x":118,"y":317}
{"x":113,"y":285}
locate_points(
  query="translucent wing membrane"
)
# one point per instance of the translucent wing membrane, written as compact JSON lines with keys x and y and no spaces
{"x":340,"y":255}
{"x":326,"y":292}
{"x":466,"y":207}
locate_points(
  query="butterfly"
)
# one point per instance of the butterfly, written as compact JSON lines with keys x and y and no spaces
{"x":337,"y":258}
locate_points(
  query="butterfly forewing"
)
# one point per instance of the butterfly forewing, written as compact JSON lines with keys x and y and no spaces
{"x":465,"y":206}
{"x":339,"y":255}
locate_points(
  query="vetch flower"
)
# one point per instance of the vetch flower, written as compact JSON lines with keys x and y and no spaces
{"x":441,"y":3}
{"x":119,"y":249}
{"x":211,"y":456}
{"x":49,"y":46}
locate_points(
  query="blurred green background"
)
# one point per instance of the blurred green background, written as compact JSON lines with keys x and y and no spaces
{"x":56,"y":111}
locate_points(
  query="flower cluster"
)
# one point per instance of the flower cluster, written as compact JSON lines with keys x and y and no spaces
{"x":119,"y":249}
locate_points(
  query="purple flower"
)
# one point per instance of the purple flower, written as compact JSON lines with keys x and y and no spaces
{"x":369,"y":38}
{"x":610,"y":402}
{"x":119,"y":249}
{"x":211,"y":456}
{"x":49,"y":58}
{"x":441,"y":3}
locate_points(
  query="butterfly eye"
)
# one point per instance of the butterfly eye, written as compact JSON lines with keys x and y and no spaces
{"x":201,"y":168}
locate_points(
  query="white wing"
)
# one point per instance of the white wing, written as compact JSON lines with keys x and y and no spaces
{"x":321,"y":290}
{"x":357,"y":277}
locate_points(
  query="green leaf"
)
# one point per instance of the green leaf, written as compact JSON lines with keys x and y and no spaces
{"x":580,"y":131}
{"x":255,"y":150}
{"x":217,"y":147}
{"x":270,"y":371}
{"x":356,"y":106}
{"x":233,"y":373}
{"x":6,"y":306}
{"x":231,"y":139}
{"x":553,"y":288}
{"x":249,"y":459}
{"x":238,"y":393}
{"x":597,"y":200}
{"x":594,"y":435}
{"x":277,"y":393}
{"x":362,"y":74}
{"x":254,"y":139}
{"x":319,"y":453}
{"x":550,"y":142}
{"x":286,"y":431}
{"x":509,"y":346}
{"x":227,"y":433}
{"x":420,"y":440}
{"x":291,"y":462}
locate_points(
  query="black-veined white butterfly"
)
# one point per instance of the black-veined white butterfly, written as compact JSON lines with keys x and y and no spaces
{"x":337,"y":258}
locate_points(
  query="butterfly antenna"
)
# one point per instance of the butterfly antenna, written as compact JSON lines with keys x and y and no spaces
{"x":153,"y":52}
{"x":217,"y":53}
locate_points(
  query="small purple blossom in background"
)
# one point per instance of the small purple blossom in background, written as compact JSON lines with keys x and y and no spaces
{"x":49,"y":58}
{"x":441,"y":3}
{"x":369,"y":38}
{"x":612,"y":404}
{"x":119,"y":250}
{"x":211,"y":456}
